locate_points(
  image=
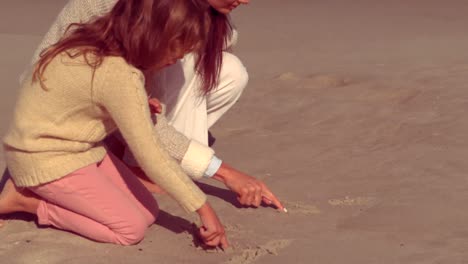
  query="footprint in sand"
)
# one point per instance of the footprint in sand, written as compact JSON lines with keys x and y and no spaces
{"x":250,"y":255}
{"x":348,"y":201}
{"x":326,"y":80}
{"x":288,"y":76}
{"x":381,"y":94}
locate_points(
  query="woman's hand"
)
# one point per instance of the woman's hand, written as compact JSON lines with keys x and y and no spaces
{"x":250,"y":191}
{"x":155,"y":105}
{"x":212,"y":231}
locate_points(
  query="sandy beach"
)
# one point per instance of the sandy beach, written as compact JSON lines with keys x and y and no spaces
{"x":355,"y":116}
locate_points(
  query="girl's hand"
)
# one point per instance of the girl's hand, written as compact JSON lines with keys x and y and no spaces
{"x":212,"y":231}
{"x":155,"y":105}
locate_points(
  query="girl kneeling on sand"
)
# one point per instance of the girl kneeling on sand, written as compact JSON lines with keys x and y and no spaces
{"x":192,"y":104}
{"x":85,"y":87}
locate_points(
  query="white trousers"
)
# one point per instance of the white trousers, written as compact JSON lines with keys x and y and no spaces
{"x":190,"y":112}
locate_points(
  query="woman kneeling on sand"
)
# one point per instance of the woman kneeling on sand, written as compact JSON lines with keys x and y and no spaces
{"x":83,"y":88}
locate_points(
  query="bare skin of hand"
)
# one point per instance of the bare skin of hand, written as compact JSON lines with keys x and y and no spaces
{"x":212,"y":231}
{"x":155,"y":105}
{"x":250,"y":191}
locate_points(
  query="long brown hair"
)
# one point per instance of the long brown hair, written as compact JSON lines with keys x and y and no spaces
{"x":143,"y":32}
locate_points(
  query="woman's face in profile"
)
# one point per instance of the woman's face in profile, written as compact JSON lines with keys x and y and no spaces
{"x":226,"y":6}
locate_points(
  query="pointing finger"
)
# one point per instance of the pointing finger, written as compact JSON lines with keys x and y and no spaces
{"x":270,"y":196}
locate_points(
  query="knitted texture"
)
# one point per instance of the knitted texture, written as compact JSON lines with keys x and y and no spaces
{"x":75,"y":11}
{"x":58,"y":130}
{"x":177,"y":144}
{"x":193,"y":157}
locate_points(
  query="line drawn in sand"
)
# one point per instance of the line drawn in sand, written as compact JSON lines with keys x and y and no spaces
{"x":300,"y":208}
{"x":293,"y":208}
{"x":250,"y":255}
{"x":348,"y":201}
{"x":196,"y":242}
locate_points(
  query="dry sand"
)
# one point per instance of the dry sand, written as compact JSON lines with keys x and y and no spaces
{"x":355,"y":115}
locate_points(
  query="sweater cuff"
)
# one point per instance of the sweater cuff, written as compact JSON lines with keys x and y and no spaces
{"x":197,"y":159}
{"x":196,"y":201}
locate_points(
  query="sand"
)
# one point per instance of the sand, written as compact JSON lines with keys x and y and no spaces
{"x":355,"y":115}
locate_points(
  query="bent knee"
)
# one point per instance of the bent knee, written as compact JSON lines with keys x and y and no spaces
{"x":136,"y":228}
{"x":234,"y":72}
{"x":133,"y":233}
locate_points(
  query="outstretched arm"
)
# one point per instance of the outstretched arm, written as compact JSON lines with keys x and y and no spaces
{"x":250,"y":191}
{"x":117,"y":84}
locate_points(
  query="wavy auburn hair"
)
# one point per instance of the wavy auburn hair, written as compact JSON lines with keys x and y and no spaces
{"x":144,"y":32}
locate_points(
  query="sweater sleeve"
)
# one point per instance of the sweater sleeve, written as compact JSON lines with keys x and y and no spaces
{"x":120,"y":90}
{"x":193,"y":157}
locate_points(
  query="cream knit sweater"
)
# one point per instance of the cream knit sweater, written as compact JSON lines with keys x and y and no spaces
{"x":59,"y":130}
{"x":194,"y":157}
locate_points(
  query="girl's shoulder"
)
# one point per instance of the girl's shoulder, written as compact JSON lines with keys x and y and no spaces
{"x":76,"y":57}
{"x":115,"y":65}
{"x":116,"y":70}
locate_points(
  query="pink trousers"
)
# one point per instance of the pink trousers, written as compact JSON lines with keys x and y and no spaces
{"x":104,"y":202}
